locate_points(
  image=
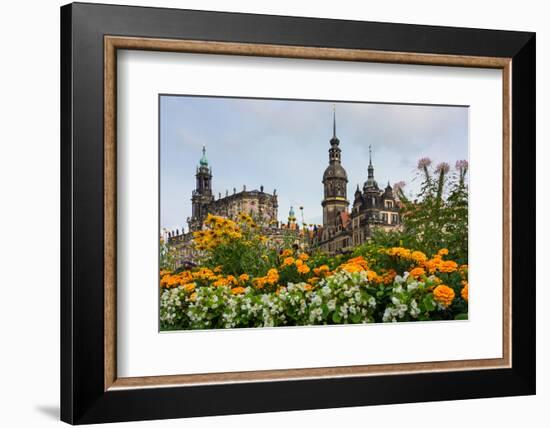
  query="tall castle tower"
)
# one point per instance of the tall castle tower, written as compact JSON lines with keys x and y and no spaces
{"x":335,"y":180}
{"x":202,"y":195}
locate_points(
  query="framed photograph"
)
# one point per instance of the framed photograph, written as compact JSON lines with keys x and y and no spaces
{"x":266,"y":213}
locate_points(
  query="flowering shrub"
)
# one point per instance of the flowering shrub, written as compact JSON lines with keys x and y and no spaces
{"x":438,"y":215}
{"x":288,"y":287}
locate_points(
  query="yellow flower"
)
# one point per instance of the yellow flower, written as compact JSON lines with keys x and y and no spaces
{"x":444,"y":295}
{"x":193,"y":297}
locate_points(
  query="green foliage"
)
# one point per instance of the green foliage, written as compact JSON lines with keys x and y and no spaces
{"x":167,"y":256}
{"x":437,"y":217}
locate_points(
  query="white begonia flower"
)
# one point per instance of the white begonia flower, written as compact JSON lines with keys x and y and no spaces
{"x":398,"y":279}
{"x":412,"y":286}
{"x":415,"y":310}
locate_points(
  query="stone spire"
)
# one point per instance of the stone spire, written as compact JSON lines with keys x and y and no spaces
{"x":371,"y":182}
{"x":371,"y":168}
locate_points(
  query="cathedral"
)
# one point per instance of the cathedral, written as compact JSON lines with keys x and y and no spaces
{"x":343,"y":227}
{"x":372,"y":207}
{"x":260,"y":205}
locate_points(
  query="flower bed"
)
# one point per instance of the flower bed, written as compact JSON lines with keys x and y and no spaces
{"x":247,"y":281}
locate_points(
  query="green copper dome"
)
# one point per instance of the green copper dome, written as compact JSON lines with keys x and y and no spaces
{"x":204,"y":160}
{"x":291,"y":213}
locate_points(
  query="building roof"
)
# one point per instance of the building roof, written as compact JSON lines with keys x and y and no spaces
{"x":345,"y":218}
{"x":335,"y":170}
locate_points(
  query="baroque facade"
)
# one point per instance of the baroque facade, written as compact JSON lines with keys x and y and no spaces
{"x":372,"y":207}
{"x":260,"y":205}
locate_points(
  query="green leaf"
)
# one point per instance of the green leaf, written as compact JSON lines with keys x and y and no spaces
{"x":336,"y":317}
{"x":356,"y":318}
{"x":428,"y":303}
{"x":461,"y":316}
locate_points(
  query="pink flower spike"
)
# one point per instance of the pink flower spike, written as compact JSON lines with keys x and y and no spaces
{"x":461,"y":164}
{"x":443,"y":167}
{"x":424,"y":163}
{"x":399,"y":185}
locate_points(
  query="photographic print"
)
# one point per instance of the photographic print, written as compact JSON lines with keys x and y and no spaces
{"x":288,"y":213}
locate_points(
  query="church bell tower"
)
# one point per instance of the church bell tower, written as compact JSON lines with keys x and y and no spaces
{"x":202,"y":195}
{"x":335,"y":180}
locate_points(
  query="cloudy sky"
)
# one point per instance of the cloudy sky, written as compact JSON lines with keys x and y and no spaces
{"x":284,"y":145}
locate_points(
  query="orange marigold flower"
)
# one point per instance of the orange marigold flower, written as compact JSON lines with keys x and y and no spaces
{"x":464,"y":291}
{"x":389,"y":276}
{"x":286,"y":253}
{"x":238,"y":290}
{"x":416,"y":272}
{"x":232,"y":280}
{"x":313,"y":280}
{"x":185,"y":277}
{"x":448,"y":266}
{"x":288,"y":261}
{"x":303,"y":269}
{"x":272,"y":276}
{"x":299,"y":262}
{"x":244,"y":277}
{"x":189,"y":288}
{"x":350,"y":267}
{"x":322,"y":270}
{"x":444,"y":295}
{"x":372,"y":276}
{"x":418,"y":257}
{"x":259,"y":282}
{"x":307,"y":287}
{"x":356,"y":264}
{"x":303,"y":256}
{"x":443,"y":252}
{"x":221,"y":282}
